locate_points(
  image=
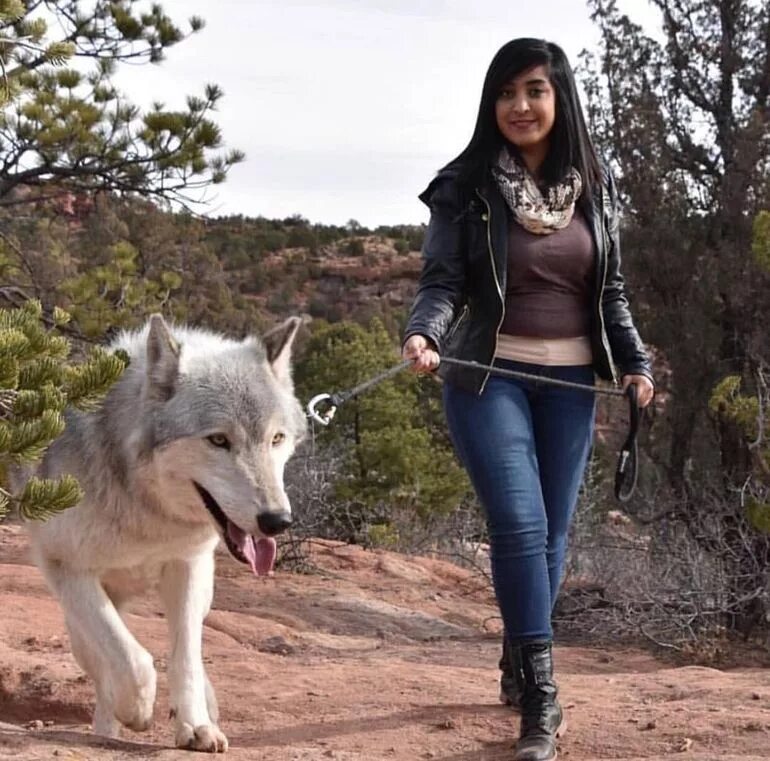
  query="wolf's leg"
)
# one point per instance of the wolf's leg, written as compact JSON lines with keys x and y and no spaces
{"x":186,"y":587}
{"x":121,"y":668}
{"x":104,"y":722}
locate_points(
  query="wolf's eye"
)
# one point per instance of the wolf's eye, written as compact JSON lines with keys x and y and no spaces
{"x":278,"y":438}
{"x":219,"y":440}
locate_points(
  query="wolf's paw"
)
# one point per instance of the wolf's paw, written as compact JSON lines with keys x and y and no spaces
{"x":134,"y":696}
{"x":205,"y":737}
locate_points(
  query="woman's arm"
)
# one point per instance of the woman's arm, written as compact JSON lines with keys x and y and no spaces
{"x":441,"y":290}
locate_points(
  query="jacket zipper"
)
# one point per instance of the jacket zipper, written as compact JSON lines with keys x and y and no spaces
{"x":459,"y":321}
{"x":497,"y":283}
{"x":605,"y":342}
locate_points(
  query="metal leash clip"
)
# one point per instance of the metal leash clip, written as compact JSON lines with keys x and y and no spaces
{"x":335,"y":400}
{"x":323,"y":418}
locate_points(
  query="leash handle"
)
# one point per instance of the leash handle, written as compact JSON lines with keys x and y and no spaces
{"x":627,"y":470}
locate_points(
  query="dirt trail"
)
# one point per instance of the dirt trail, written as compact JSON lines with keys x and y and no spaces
{"x":375,"y":657}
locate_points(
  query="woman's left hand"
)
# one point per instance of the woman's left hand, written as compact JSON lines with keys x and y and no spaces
{"x":644,"y":388}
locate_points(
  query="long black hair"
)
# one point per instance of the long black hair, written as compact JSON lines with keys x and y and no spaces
{"x":570,"y":144}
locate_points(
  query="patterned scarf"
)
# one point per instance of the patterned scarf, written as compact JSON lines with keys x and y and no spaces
{"x":535,"y":213}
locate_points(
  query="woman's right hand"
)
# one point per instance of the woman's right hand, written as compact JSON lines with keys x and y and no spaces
{"x":423,"y":352}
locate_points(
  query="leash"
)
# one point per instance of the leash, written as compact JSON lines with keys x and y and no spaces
{"x":627,"y":470}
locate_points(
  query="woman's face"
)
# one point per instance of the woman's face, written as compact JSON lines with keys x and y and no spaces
{"x":526,"y":109}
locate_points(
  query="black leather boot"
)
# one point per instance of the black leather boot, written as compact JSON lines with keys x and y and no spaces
{"x":511,"y":676}
{"x":542,"y":720}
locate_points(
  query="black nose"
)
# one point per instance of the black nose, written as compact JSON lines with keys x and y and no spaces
{"x":271,"y":524}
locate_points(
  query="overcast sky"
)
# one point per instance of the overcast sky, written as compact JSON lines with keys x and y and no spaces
{"x":346,"y":108}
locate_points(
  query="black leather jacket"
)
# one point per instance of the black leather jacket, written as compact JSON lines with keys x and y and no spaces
{"x":461,"y":294}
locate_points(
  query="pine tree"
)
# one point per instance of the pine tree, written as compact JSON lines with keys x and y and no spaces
{"x":392,"y":457}
{"x":37,"y":381}
{"x":66,"y":128}
{"x":683,"y":116}
{"x":66,"y":133}
{"x":746,"y":406}
{"x":115,"y":293}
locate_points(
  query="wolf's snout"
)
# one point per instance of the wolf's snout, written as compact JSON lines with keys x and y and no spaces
{"x":271,"y":524}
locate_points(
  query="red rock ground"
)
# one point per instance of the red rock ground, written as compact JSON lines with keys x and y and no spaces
{"x":374,"y":656}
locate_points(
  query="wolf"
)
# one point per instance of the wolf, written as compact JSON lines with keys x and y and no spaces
{"x":187,"y":448}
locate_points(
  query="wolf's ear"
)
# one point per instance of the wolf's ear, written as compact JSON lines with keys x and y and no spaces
{"x":278,"y":343}
{"x":162,"y":360}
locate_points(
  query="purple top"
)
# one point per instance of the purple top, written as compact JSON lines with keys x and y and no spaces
{"x":549,"y":281}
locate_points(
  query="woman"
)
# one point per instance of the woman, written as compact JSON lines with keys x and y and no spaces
{"x":522,"y":269}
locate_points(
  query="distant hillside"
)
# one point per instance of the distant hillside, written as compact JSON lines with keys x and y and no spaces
{"x":112,"y":260}
{"x":289,"y":266}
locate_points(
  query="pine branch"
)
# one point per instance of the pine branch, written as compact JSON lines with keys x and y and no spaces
{"x":43,"y":498}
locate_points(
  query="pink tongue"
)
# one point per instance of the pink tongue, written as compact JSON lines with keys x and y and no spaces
{"x":259,"y":553}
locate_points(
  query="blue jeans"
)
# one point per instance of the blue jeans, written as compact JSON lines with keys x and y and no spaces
{"x":525,"y":445}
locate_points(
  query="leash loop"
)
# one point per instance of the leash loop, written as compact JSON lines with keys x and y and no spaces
{"x":627,"y":471}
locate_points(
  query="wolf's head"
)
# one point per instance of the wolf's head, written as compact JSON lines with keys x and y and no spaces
{"x":223,"y":421}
